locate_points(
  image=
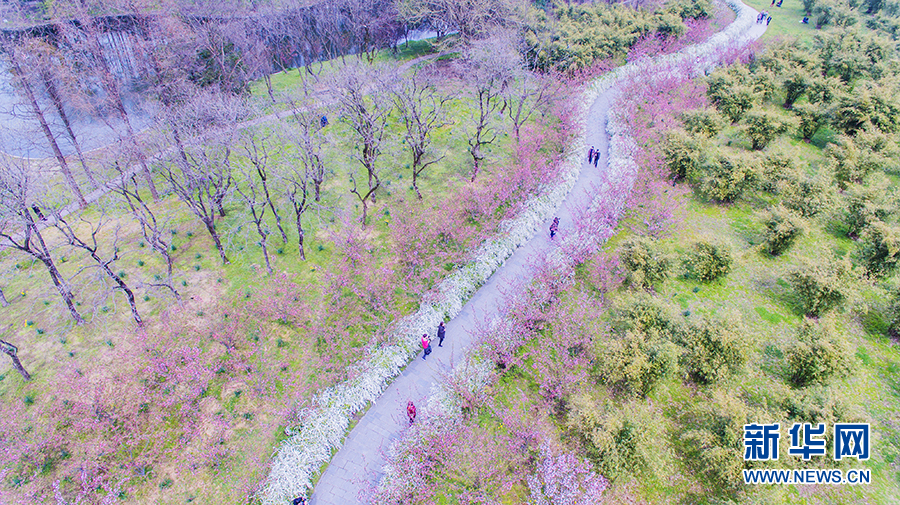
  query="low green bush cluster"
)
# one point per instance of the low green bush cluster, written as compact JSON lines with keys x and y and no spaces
{"x":880,"y":248}
{"x":818,"y":355}
{"x":725,"y":177}
{"x":622,"y":440}
{"x":782,"y":229}
{"x":645,"y":264}
{"x":716,"y":348}
{"x":707,"y":261}
{"x":820,"y":286}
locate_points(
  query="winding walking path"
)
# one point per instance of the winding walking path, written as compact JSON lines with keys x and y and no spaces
{"x":358,"y":466}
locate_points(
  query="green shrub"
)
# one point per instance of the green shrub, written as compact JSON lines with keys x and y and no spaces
{"x":707,"y":262}
{"x":638,"y":361}
{"x":684,"y":155}
{"x":774,"y":170}
{"x":794,"y":85}
{"x":696,"y":9}
{"x":725,"y":178}
{"x":763,"y":127}
{"x":819,"y":287}
{"x":893,"y":314}
{"x":706,"y":122}
{"x":622,"y":440}
{"x":851,"y":162}
{"x":642,"y":313}
{"x":731,"y":92}
{"x":782,"y":229}
{"x":714,"y":442}
{"x":818,"y":355}
{"x":809,"y":196}
{"x":646,"y":266}
{"x":866,"y":205}
{"x":715,"y":348}
{"x":811,"y":118}
{"x":880,"y":248}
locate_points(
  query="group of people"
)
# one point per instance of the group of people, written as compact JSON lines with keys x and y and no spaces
{"x":764,"y":17}
{"x":593,"y":156}
{"x":426,"y":340}
{"x":426,"y":347}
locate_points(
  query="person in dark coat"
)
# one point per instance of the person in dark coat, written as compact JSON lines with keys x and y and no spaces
{"x":591,"y":154}
{"x":768,"y":20}
{"x":441,"y":334}
{"x":299,"y":501}
{"x":554,"y":227}
{"x":411,"y":411}
{"x":426,"y":345}
{"x":596,"y":157}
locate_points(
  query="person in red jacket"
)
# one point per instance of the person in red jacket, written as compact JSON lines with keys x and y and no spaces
{"x":411,"y":411}
{"x":426,"y":345}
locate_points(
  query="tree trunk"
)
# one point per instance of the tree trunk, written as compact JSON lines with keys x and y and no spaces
{"x":415,"y":183}
{"x":211,"y":228}
{"x":299,"y":237}
{"x":62,"y":288}
{"x":12,"y":352}
{"x":61,"y":111}
{"x":36,"y":109}
{"x":124,"y":287}
{"x":268,"y":80}
{"x":265,"y":186}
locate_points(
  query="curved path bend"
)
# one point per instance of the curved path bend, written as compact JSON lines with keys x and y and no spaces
{"x":357,"y":467}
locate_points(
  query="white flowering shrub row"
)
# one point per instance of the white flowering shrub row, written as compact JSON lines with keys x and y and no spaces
{"x":322,"y":427}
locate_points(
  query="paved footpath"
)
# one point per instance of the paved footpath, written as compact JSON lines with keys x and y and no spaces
{"x":358,"y":466}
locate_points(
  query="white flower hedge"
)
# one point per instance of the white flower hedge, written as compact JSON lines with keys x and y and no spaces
{"x":324,"y":425}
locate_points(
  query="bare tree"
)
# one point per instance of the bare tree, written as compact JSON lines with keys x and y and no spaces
{"x":84,"y":40}
{"x":150,"y":227}
{"x":13,"y":352}
{"x":19,"y":63}
{"x":19,"y":231}
{"x":92,"y":247}
{"x":489,"y":79}
{"x":471,"y":18}
{"x":422,"y":111}
{"x":365,"y":108}
{"x":372,"y":23}
{"x":201,"y":183}
{"x":299,"y":197}
{"x":253,"y":191}
{"x":259,"y":153}
{"x":308,"y":134}
{"x":527,"y":93}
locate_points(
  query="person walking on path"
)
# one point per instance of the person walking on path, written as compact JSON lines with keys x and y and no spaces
{"x":411,"y":411}
{"x":554,"y":227}
{"x":768,"y":20}
{"x":426,"y":345}
{"x":591,"y":154}
{"x":596,"y":157}
{"x":441,"y":333}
